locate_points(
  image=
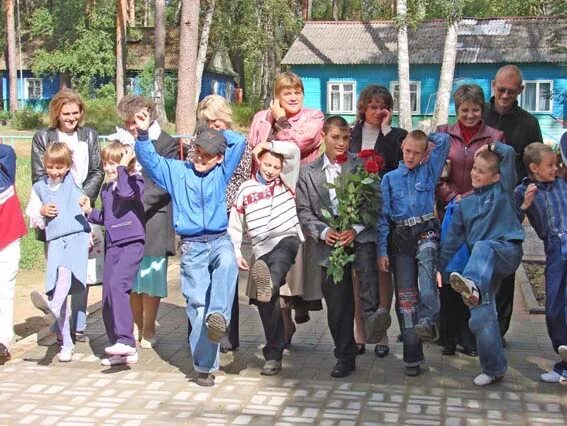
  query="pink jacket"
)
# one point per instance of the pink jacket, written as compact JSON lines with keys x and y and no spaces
{"x":305,"y":131}
{"x":461,"y":159}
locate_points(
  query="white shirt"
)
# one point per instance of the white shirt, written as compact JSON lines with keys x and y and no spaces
{"x":80,"y":152}
{"x":370,"y":135}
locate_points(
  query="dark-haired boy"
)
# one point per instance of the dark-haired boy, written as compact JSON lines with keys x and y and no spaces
{"x":538,"y":195}
{"x":486,"y":221}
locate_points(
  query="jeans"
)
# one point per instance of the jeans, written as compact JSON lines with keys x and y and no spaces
{"x":489,"y":262}
{"x":208,"y":283}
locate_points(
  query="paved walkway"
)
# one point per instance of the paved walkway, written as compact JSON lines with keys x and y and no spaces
{"x":36,"y":389}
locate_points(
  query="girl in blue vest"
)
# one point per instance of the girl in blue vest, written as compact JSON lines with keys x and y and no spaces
{"x":54,"y":206}
{"x":122,"y":214}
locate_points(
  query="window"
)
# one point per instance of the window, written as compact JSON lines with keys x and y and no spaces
{"x":415,"y":95}
{"x":537,"y":96}
{"x":228,"y":91}
{"x":34,"y":88}
{"x":341,"y":97}
{"x":130,"y":85}
{"x":215,"y":86}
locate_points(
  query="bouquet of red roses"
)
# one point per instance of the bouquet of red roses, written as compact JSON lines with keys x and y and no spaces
{"x":357,"y":195}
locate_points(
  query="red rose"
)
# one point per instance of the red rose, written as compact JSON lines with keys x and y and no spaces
{"x":379,"y":161}
{"x":366,"y":153}
{"x":371,"y":166}
{"x":342,"y":158}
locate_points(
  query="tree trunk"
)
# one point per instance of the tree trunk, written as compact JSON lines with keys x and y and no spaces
{"x":441,"y":114}
{"x":121,"y":17}
{"x":146,"y":12}
{"x":159,"y":61}
{"x":306,"y":7}
{"x":335,"y":10}
{"x":404,"y":97}
{"x":185,"y":117}
{"x":203,"y":45}
{"x":11,"y":58}
{"x":131,"y":13}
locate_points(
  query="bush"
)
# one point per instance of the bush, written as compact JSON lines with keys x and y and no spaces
{"x":27,"y":120}
{"x":101,"y":115}
{"x":243,"y":114}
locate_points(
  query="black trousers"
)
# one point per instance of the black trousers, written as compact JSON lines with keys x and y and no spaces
{"x":454,"y":320}
{"x":367,"y":272}
{"x":505,"y":302}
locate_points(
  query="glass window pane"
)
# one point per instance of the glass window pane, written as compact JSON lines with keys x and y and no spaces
{"x":348,"y":99}
{"x":413,"y":99}
{"x":335,"y":102}
{"x":529,"y":97}
{"x":335,"y":87}
{"x":545,"y":96}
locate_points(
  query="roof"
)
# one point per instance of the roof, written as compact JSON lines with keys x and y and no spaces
{"x":493,"y":40}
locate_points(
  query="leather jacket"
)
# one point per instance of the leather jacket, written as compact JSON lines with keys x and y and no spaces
{"x":95,"y":173}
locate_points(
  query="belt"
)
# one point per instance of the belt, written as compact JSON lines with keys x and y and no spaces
{"x":412,"y":221}
{"x":203,"y":238}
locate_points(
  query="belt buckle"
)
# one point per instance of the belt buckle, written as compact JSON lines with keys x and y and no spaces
{"x":412,"y":221}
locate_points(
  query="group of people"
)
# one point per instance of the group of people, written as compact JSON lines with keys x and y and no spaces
{"x":446,"y":239}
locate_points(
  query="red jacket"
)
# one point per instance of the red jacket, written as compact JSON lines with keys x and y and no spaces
{"x":461,"y":158}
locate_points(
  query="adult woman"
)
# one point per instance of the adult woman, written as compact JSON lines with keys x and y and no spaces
{"x":373,"y":130}
{"x":287,"y":120}
{"x":215,"y":112}
{"x":467,"y":136}
{"x":66,"y":115}
{"x":151,"y":284}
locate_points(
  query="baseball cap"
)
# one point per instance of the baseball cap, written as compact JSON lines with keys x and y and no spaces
{"x":211,"y":140}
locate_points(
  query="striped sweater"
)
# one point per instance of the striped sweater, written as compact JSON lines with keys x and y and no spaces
{"x":267,"y":211}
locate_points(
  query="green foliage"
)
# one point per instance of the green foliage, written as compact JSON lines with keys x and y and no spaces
{"x":243,"y":113}
{"x":106,"y":91}
{"x":146,"y":85}
{"x":27,"y":119}
{"x":41,"y":23}
{"x":101,"y":115}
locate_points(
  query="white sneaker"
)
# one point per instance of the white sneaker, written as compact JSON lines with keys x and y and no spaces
{"x":484,"y":379}
{"x":120,"y":349}
{"x":147,"y":343}
{"x":562,"y":351}
{"x":119,"y":360}
{"x":66,"y":354}
{"x":550,"y":377}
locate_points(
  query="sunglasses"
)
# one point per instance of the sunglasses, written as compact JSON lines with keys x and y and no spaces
{"x":511,"y":92}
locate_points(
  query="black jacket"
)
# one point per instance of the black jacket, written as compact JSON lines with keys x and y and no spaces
{"x":95,"y":174}
{"x":389,"y":147}
{"x":520,"y":129}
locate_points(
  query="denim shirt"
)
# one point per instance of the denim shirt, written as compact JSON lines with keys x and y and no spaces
{"x":411,"y":193}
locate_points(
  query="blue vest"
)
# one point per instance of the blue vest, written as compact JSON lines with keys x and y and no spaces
{"x":71,"y":218}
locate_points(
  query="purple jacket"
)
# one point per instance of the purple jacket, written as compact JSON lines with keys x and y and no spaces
{"x":122,"y":211}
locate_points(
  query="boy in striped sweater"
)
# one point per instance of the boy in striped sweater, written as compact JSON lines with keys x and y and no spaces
{"x":265,"y":208}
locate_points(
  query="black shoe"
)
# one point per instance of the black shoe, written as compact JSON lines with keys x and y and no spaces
{"x":205,"y":379}
{"x":448,"y":350}
{"x":4,"y":354}
{"x":381,"y":350}
{"x":288,"y":341}
{"x":469,"y":351}
{"x":361,"y":348}
{"x":342,"y":369}
{"x":301,"y":317}
{"x":400,"y":338}
{"x":271,"y":368}
{"x":80,"y":336}
{"x":413,"y":371}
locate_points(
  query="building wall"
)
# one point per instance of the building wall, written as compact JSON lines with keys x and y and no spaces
{"x":217,"y":84}
{"x":50,"y":86}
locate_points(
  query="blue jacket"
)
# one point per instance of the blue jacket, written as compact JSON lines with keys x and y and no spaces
{"x":199,"y":199}
{"x":411,"y":193}
{"x":7,"y":166}
{"x":487,"y":214}
{"x":122,"y":211}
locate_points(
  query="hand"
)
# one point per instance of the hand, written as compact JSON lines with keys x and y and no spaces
{"x":85,"y":204}
{"x":383,"y":263}
{"x":276,"y":109}
{"x":347,"y":237}
{"x":242,"y":264}
{"x":142,"y":119}
{"x":49,"y":210}
{"x":483,"y":148}
{"x":439,"y":280}
{"x":128,"y":156}
{"x":458,"y":198}
{"x":332,"y":237}
{"x":387,"y":120}
{"x":529,"y":196}
{"x":262,"y":146}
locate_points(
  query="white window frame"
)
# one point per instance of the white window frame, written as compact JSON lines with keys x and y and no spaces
{"x":27,"y":87}
{"x":537,"y":83}
{"x":342,"y":109}
{"x":417,"y":83}
{"x":130,"y":85}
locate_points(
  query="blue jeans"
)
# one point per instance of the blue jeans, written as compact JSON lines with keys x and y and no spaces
{"x":489,"y":262}
{"x":208,"y":283}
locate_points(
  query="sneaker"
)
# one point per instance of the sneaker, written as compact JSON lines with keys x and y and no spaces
{"x":261,"y":277}
{"x":271,"y":368}
{"x":66,"y":354}
{"x":120,"y":349}
{"x":205,"y":379}
{"x":216,"y":327}
{"x":550,"y":377}
{"x":4,"y":354}
{"x":484,"y":379}
{"x":426,"y":332}
{"x":80,"y":336}
{"x":466,"y":288}
{"x":41,"y":303}
{"x":413,"y":371}
{"x":376,"y":325}
{"x":119,"y":360}
{"x":562,"y":351}
{"x":147,"y":342}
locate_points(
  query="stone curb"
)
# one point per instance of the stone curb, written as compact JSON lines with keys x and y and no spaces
{"x":527,"y":292}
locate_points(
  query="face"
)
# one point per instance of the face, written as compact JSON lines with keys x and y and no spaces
{"x":481,"y":175}
{"x":217,"y":125}
{"x":336,"y":142}
{"x":546,"y":170}
{"x":69,"y":117}
{"x":203,"y":161}
{"x":469,"y":114}
{"x":506,"y":90}
{"x":130,"y":124}
{"x":375,"y":111}
{"x":413,"y":152}
{"x":56,"y":171}
{"x":110,"y":169}
{"x":270,"y":166}
{"x":291,"y":100}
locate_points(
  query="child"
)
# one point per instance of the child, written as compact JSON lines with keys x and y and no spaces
{"x":122,"y":215}
{"x":266,"y":206}
{"x":486,"y":221}
{"x":54,"y":206}
{"x":312,"y":198}
{"x":538,"y":195}
{"x":12,"y":228}
{"x":208,"y":267}
{"x":409,"y":193}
